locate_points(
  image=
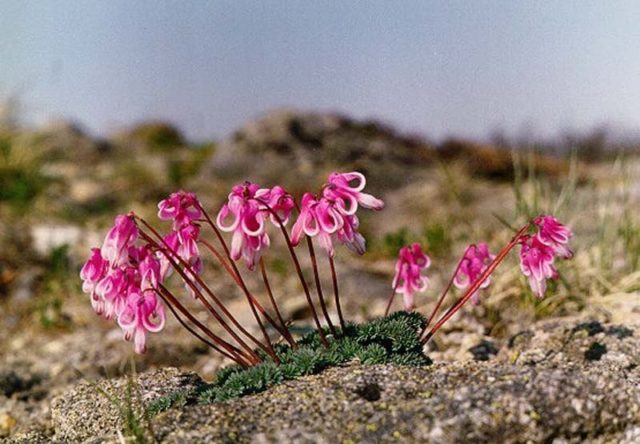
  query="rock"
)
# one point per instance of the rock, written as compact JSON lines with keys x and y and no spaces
{"x":98,"y":410}
{"x":539,"y":388}
{"x":483,"y":350}
{"x":7,"y":422}
{"x":47,"y":238}
{"x":298,"y":144}
{"x":12,"y":382}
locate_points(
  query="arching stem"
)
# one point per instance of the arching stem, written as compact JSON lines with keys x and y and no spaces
{"x":172,"y":257}
{"x":444,"y":293}
{"x":316,"y":275}
{"x":253,"y":302}
{"x":172,"y":302}
{"x":476,"y":285}
{"x":336,"y":295}
{"x":265,"y":279}
{"x":298,"y":268}
{"x":392,"y":296}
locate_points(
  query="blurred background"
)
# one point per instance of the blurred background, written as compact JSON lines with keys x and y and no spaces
{"x":466,"y":117}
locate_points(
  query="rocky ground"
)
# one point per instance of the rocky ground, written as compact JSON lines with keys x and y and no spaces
{"x":511,"y":369}
{"x":560,"y":381}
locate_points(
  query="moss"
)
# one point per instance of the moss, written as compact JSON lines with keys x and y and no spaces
{"x":390,"y":340}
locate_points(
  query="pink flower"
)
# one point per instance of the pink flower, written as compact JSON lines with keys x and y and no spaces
{"x":181,"y":207}
{"x":184,"y":244}
{"x":536,"y":262}
{"x":408,"y":278}
{"x":143,"y":312}
{"x":123,"y":234}
{"x":348,"y":196}
{"x":244,"y":214}
{"x":553,"y":234}
{"x":93,"y":271}
{"x":120,"y":279}
{"x":281,"y":203}
{"x":317,"y":218}
{"x":475,"y":261}
{"x":110,"y":294}
{"x":349,"y":235}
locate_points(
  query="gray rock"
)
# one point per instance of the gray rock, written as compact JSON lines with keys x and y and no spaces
{"x":299,"y":144}
{"x":541,"y":387}
{"x":99,"y":410}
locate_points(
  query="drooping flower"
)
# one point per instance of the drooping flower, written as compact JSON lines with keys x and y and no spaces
{"x":349,"y":235}
{"x":334,"y":213}
{"x":408,"y":279}
{"x":281,"y":203}
{"x":554,"y":234}
{"x":182,"y":208}
{"x":536,"y":263}
{"x":475,"y":261}
{"x":121,"y":279}
{"x":143,"y":312}
{"x":318,"y":217}
{"x":245,"y":213}
{"x":93,"y":271}
{"x":347,"y":196}
{"x":110,"y":294}
{"x":123,"y":234}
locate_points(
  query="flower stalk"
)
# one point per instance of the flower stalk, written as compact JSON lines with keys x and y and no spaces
{"x":127,"y":278}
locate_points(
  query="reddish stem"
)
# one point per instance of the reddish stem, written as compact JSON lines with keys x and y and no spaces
{"x":172,"y":302}
{"x":253,"y":302}
{"x":196,"y":290}
{"x":334,"y":279}
{"x":296,"y":263}
{"x":476,"y":285}
{"x":316,"y":275}
{"x":221,"y":259}
{"x":391,"y":298}
{"x":444,"y":293}
{"x":265,"y":279}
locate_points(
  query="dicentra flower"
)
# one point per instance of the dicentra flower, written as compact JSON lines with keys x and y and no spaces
{"x":346,"y":190}
{"x":318,"y":218}
{"x":334,"y":213}
{"x":244,"y":214}
{"x":121,"y":279}
{"x":93,"y":271}
{"x":536,"y":263}
{"x":475,"y":261}
{"x":349,"y":235}
{"x":554,"y":234}
{"x":123,"y":234}
{"x":408,"y":278}
{"x":182,"y":208}
{"x":142,"y":312}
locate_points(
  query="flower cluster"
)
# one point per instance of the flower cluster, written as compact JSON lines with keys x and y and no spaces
{"x":333,"y":214}
{"x":408,"y":278}
{"x":475,"y":261}
{"x":185,"y":211}
{"x":538,"y":252}
{"x":245,"y":213}
{"x":127,"y":278}
{"x":120,"y":278}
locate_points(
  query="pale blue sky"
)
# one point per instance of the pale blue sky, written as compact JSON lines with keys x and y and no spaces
{"x":439,"y":68}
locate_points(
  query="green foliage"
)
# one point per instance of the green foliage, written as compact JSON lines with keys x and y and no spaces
{"x":437,"y":239}
{"x":55,"y":284}
{"x":390,"y":340}
{"x":395,"y":240}
{"x":189,"y":165}
{"x":20,"y":178}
